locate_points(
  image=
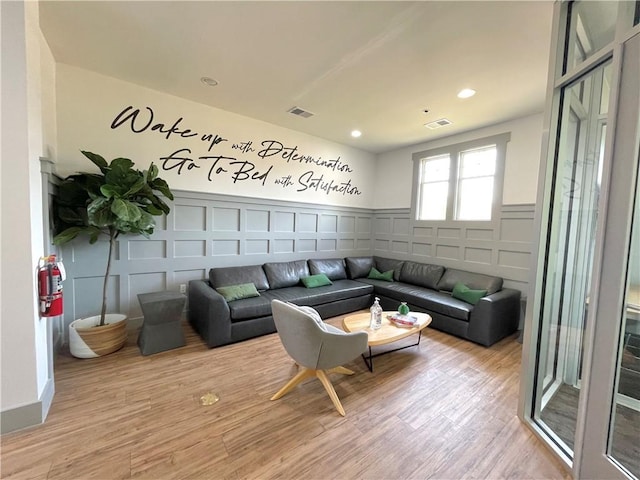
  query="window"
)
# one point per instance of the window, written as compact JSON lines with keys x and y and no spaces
{"x":434,"y":187}
{"x":460,"y":182}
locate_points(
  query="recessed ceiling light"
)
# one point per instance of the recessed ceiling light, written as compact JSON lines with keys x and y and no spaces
{"x":209,"y":81}
{"x":466,"y":93}
{"x":356,"y":133}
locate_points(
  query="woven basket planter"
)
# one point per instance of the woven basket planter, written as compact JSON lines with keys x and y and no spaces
{"x":87,"y":340}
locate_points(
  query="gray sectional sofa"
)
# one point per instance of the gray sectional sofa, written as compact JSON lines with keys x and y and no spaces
{"x":425,"y":288}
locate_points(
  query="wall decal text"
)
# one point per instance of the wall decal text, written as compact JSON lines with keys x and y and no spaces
{"x":248,"y":162}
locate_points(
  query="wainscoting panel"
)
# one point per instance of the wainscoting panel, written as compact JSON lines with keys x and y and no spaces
{"x":228,"y":219}
{"x":347,"y":224}
{"x":190,"y":218}
{"x":478,"y":255}
{"x":147,"y":249}
{"x":501,"y":247}
{"x":190,"y":248}
{"x":209,"y":230}
{"x":204,"y":231}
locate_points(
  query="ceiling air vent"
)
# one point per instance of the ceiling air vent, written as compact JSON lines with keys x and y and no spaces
{"x":300,"y":112}
{"x":443,"y":122}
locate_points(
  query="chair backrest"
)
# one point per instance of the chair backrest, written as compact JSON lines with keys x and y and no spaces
{"x":301,"y":336}
{"x":309,"y":342}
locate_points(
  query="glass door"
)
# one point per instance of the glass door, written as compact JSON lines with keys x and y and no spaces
{"x":611,"y":417}
{"x":580,"y":389}
{"x":570,"y":247}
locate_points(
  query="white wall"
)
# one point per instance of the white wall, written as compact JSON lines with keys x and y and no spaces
{"x":26,"y":358}
{"x":395,"y":169}
{"x":88,"y":104}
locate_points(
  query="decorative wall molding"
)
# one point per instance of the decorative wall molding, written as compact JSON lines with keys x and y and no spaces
{"x":500,"y":248}
{"x":206,"y":230}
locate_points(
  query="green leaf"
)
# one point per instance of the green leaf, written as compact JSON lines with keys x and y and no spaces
{"x":145,"y":222}
{"x":122,"y":164}
{"x":120,"y":199}
{"x":110,"y":191}
{"x":94,"y":233}
{"x":153,"y":210}
{"x":135,"y":188}
{"x":160,"y":185}
{"x":71,"y":216}
{"x":126,"y":211}
{"x":158,"y":203}
{"x":153,"y":172}
{"x":67,"y":235}
{"x":97,"y":159}
{"x":99,"y":213}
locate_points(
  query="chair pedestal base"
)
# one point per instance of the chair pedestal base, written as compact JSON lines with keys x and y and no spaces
{"x":324,"y":379}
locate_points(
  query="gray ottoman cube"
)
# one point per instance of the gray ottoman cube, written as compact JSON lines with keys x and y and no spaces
{"x":161,"y":329}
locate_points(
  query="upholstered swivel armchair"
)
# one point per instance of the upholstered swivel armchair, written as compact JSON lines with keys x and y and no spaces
{"x":317,"y":347}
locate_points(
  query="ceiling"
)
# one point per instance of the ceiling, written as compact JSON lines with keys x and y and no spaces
{"x":370,"y":65}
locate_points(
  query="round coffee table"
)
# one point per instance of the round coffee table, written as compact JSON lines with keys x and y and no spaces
{"x":389,"y":332}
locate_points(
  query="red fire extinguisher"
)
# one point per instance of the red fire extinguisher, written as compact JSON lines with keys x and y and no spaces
{"x":50,"y":277}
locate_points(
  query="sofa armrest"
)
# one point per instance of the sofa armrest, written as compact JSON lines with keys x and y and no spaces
{"x":209,"y":313}
{"x":494,"y":317}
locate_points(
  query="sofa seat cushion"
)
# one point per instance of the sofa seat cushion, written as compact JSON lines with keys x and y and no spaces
{"x":248,"y":308}
{"x":255,"y":307}
{"x":297,"y":294}
{"x":340,"y":290}
{"x":445,"y":304}
{"x":425,"y":298}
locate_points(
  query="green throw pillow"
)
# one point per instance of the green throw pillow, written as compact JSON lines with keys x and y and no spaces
{"x":464,"y":293}
{"x":319,"y":280}
{"x":238,"y":292}
{"x":386,"y":276}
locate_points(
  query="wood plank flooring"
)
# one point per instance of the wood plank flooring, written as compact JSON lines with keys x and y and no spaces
{"x":561,"y":414}
{"x":443,"y":410}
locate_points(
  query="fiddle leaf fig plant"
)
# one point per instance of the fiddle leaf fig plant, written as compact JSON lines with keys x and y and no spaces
{"x":120,"y":199}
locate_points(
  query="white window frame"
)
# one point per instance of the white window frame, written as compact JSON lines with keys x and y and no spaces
{"x":454,"y":150}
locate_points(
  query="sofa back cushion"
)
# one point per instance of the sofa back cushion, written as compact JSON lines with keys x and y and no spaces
{"x":331,"y":267}
{"x":225,"y":276}
{"x":359,"y":267}
{"x":286,"y":274}
{"x":386,"y":264}
{"x":421,"y":274}
{"x":475,"y":281}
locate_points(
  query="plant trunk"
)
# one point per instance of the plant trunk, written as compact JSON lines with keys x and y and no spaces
{"x":112,"y":242}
